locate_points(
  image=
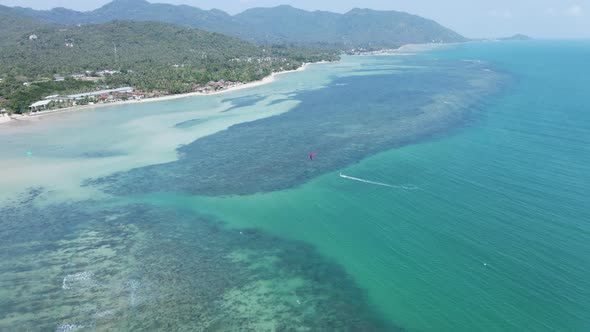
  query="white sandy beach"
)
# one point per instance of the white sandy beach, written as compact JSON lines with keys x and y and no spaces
{"x":4,"y":119}
{"x":269,"y":79}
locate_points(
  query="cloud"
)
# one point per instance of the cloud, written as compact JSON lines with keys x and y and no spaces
{"x":574,"y":10}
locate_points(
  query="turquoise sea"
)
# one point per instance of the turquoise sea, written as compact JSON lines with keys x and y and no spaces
{"x":449,"y":192}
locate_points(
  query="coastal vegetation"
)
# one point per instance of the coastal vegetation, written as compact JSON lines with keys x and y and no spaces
{"x":166,"y":49}
{"x":20,"y":96}
{"x":39,"y":59}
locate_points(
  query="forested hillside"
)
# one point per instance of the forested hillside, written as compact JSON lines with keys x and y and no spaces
{"x":173,"y":49}
{"x":282,"y":24}
{"x":146,"y":55}
{"x":356,"y":28}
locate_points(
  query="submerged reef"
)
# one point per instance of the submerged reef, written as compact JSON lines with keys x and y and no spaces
{"x":107,"y":266}
{"x":357,"y":116}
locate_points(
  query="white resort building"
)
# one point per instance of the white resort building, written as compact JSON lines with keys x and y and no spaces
{"x":79,"y":96}
{"x":40,"y":105}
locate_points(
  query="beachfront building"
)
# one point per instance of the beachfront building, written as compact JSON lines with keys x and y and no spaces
{"x":3,"y":112}
{"x":97,"y":94}
{"x":138,"y":94}
{"x":40,"y":105}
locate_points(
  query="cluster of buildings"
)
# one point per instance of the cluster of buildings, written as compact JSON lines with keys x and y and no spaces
{"x":119,"y":94}
{"x":214,"y":86}
{"x":101,"y":96}
{"x":258,"y":60}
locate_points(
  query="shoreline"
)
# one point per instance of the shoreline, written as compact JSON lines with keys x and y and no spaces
{"x":266,"y":80}
{"x":407,"y":49}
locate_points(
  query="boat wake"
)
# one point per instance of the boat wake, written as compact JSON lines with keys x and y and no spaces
{"x":404,"y":187}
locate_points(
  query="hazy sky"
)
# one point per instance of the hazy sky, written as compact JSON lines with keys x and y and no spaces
{"x":472,"y":18}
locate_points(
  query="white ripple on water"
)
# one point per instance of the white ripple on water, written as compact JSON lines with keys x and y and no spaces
{"x":133,"y":290}
{"x":405,"y":187}
{"x":69,"y":327}
{"x":71,"y":280}
{"x":105,"y":313}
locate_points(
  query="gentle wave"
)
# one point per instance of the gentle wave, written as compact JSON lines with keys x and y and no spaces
{"x":405,"y":187}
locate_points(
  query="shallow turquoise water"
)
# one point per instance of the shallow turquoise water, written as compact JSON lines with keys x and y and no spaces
{"x":498,"y":236}
{"x":495,"y":239}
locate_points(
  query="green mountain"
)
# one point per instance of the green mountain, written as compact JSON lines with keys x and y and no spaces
{"x":282,"y":24}
{"x":117,"y":44}
{"x":14,"y":26}
{"x":358,"y":27}
{"x":138,"y":46}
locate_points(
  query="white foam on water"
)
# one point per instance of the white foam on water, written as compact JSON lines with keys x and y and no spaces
{"x":105,"y":313}
{"x":133,"y":289}
{"x":69,"y":327}
{"x":79,"y":277}
{"x":404,"y":187}
{"x":115,"y":216}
